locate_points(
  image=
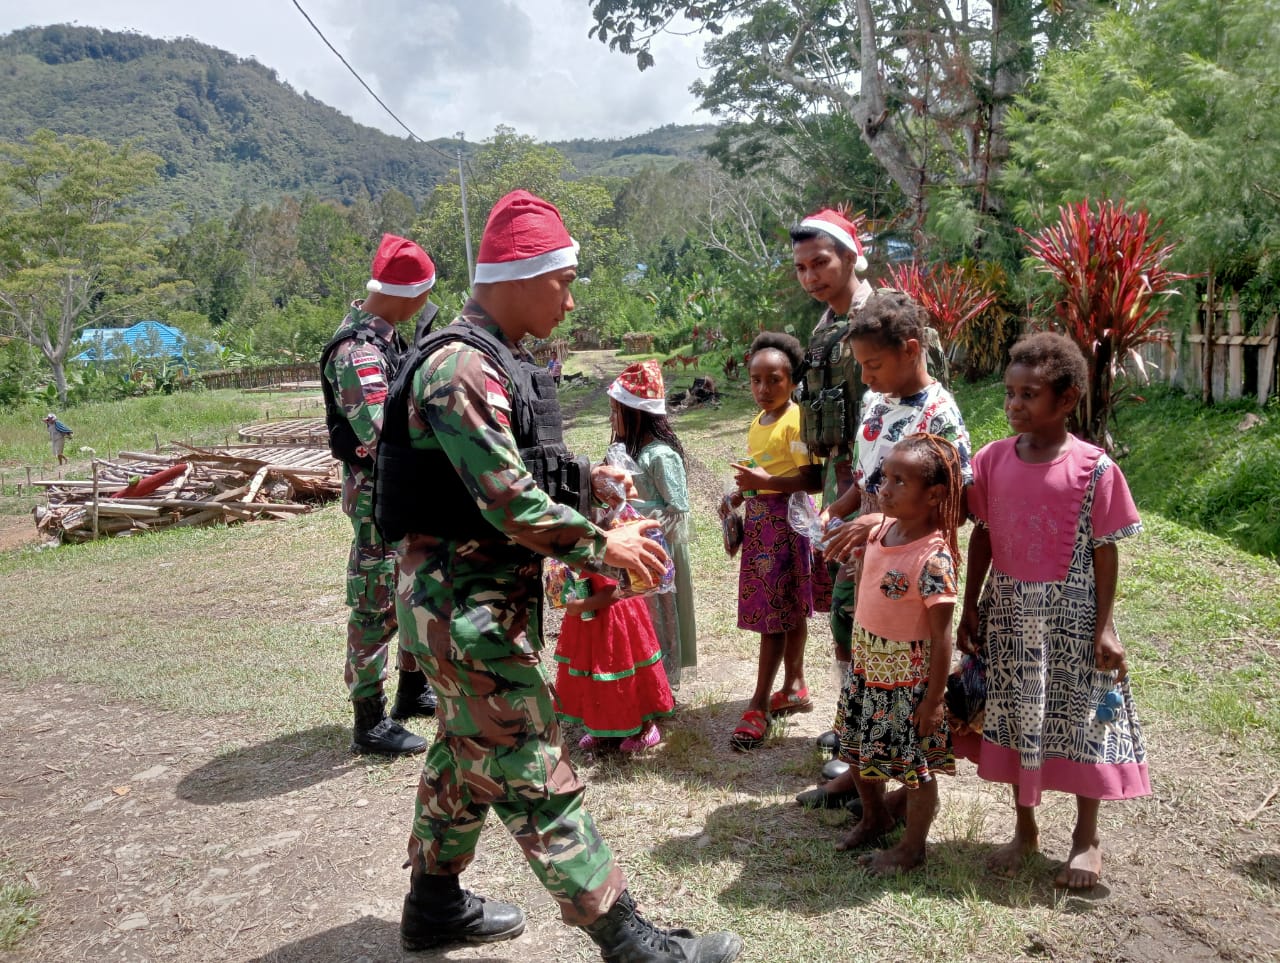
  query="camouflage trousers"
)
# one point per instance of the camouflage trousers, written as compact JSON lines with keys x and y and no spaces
{"x":499,"y":746}
{"x":371,"y":623}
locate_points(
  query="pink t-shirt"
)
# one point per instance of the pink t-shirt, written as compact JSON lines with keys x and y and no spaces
{"x":1033,"y":511}
{"x":900,"y":583}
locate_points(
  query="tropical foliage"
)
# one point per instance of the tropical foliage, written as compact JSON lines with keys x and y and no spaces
{"x":1112,"y":286}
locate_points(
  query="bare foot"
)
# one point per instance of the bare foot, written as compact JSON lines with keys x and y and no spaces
{"x":866,"y":832}
{"x":895,"y":801}
{"x":1008,"y":859}
{"x":1083,"y":868}
{"x":886,"y":862}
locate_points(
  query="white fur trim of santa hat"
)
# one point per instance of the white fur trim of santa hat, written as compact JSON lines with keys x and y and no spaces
{"x":654,"y":406}
{"x":401,"y":269}
{"x":841,"y":231}
{"x":524,"y":237}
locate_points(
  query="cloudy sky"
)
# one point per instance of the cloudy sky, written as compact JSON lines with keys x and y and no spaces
{"x":442,"y":65}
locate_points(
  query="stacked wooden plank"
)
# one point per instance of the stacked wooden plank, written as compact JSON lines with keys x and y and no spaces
{"x":201,"y":486}
{"x":289,"y":431}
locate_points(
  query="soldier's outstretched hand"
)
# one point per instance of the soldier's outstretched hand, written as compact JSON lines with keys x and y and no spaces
{"x":628,"y":547}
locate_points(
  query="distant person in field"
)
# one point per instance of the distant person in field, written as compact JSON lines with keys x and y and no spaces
{"x":1039,"y":592}
{"x":357,"y":366}
{"x":58,"y":435}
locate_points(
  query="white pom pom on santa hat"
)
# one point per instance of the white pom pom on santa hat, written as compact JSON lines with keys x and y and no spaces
{"x":525,"y":237}
{"x":838,"y":227}
{"x":401,"y":269}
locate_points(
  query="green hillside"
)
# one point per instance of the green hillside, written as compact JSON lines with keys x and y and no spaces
{"x":230,"y":131}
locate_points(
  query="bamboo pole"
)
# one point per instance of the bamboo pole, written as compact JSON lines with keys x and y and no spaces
{"x":95,"y":499}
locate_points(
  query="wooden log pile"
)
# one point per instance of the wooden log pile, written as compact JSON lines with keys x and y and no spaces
{"x":202,"y":486}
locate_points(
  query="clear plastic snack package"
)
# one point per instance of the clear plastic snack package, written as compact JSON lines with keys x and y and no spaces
{"x":555,"y":576}
{"x":802,"y":516}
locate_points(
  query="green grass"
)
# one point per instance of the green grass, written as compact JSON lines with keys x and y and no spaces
{"x":132,"y":424}
{"x":18,"y":912}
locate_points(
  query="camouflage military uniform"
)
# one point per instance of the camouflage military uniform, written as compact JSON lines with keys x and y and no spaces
{"x":358,"y":372}
{"x":471,"y":615}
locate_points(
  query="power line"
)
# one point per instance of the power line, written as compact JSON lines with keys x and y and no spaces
{"x":355,"y":74}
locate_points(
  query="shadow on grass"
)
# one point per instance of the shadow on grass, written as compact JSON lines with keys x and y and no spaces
{"x":368,"y":938}
{"x":292,"y":761}
{"x":787,"y":859}
{"x":1263,"y":869}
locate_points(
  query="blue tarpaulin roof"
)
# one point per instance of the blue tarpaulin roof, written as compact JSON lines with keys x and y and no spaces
{"x":146,"y":339}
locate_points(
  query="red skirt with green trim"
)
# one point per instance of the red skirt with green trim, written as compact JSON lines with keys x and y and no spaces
{"x":609,"y":675}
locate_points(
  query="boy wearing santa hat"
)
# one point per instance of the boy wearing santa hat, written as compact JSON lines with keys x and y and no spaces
{"x":356,"y":367}
{"x":470,"y":590}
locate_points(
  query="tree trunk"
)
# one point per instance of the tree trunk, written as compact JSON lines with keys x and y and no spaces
{"x":60,"y":379}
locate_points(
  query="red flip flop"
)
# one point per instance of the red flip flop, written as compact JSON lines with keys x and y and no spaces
{"x":783,"y":702}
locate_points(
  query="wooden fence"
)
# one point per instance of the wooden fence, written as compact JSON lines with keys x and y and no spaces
{"x":1243,"y":365}
{"x":262,"y":376}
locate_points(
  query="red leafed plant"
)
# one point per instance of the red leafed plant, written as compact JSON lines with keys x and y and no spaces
{"x":952,"y":296}
{"x":1113,"y":281}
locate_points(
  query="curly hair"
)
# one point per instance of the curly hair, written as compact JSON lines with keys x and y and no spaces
{"x":640,"y":427}
{"x":891,"y":318}
{"x":939,"y":460}
{"x":789,"y":347}
{"x":1056,"y":357}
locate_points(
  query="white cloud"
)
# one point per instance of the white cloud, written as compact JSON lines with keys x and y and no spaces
{"x":441,"y":65}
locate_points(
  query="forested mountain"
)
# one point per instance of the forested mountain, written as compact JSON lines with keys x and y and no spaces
{"x":230,"y":131}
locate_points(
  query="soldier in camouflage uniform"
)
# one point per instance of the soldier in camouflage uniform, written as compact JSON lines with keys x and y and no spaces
{"x":357,"y":366}
{"x":828,"y":257}
{"x":471,"y":613}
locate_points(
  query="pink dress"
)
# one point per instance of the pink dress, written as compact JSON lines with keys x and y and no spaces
{"x":1038,"y":610}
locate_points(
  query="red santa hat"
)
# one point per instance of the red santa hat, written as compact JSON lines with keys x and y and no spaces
{"x":401,"y":269}
{"x":838,"y":227}
{"x":640,"y":386}
{"x":525,"y":237}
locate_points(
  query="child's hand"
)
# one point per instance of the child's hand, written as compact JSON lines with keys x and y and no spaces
{"x":750,"y":479}
{"x":1108,"y":652}
{"x":928,"y":716}
{"x":850,"y":539}
{"x":575,"y":607}
{"x":967,"y":638}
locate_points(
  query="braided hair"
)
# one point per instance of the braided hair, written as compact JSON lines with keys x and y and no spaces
{"x":640,"y":426}
{"x":940,"y":465}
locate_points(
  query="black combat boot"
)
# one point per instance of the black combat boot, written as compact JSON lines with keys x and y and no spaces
{"x":414,"y":697}
{"x":438,"y":911}
{"x":375,"y":733}
{"x":624,"y":936}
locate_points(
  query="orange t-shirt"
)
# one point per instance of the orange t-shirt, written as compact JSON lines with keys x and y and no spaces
{"x":900,"y":582}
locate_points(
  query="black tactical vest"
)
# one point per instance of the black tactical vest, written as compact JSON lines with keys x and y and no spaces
{"x":829,"y":386}
{"x":343,"y":440}
{"x":419,"y":491}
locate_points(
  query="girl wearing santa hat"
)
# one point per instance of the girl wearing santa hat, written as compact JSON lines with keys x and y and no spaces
{"x":639,"y":422}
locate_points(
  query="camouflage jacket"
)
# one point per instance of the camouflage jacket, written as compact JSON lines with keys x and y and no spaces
{"x":359,"y":374}
{"x":461,"y":404}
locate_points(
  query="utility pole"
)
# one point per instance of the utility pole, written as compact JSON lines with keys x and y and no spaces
{"x":466,"y":223}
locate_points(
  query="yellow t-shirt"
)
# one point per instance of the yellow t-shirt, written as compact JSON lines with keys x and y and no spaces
{"x":778,"y":448}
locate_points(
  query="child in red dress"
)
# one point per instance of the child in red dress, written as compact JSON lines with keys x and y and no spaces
{"x":609,"y":675}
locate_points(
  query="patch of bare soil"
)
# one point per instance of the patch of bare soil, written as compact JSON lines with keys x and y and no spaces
{"x":17,"y":531}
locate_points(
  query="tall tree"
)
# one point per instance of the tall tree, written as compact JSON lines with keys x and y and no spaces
{"x":927,"y":84}
{"x":74,"y":254}
{"x":1173,"y":106}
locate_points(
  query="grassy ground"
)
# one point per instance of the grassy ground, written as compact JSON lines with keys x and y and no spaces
{"x":230,"y":638}
{"x":136,"y":423}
